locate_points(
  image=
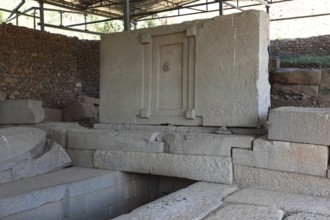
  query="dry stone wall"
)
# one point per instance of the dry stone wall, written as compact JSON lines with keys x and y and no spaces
{"x":45,"y":66}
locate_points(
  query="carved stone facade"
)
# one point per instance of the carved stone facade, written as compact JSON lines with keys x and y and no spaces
{"x":205,"y":72}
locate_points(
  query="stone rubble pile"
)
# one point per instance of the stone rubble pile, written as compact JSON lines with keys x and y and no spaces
{"x":25,"y":152}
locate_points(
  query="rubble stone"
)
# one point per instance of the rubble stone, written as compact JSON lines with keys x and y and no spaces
{"x":310,"y":90}
{"x":297,"y":76}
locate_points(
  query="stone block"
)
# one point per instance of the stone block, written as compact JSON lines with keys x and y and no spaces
{"x":310,"y":90}
{"x":90,"y":139}
{"x":205,"y":144}
{"x":21,"y":112}
{"x":77,"y":111}
{"x":246,"y":212}
{"x":54,"y":115}
{"x":274,"y":64}
{"x":214,"y":83}
{"x":195,"y":167}
{"x":81,"y":158}
{"x":285,"y":156}
{"x":3,"y":96}
{"x":281,"y":181}
{"x":297,"y":76}
{"x":304,"y":215}
{"x":87,"y":99}
{"x":299,"y":124}
{"x":18,"y":144}
{"x":193,"y":202}
{"x":58,"y":131}
{"x":288,"y":202}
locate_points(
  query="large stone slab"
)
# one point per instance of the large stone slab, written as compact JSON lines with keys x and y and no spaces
{"x":285,"y":156}
{"x":297,"y":76}
{"x":196,"y":167}
{"x":281,"y":181}
{"x":114,"y":140}
{"x":246,"y":212}
{"x":205,"y":144}
{"x":288,"y":202}
{"x":310,"y":90}
{"x":185,"y":74}
{"x":299,"y":124}
{"x":21,"y":112}
{"x":18,"y":144}
{"x":193,"y":202}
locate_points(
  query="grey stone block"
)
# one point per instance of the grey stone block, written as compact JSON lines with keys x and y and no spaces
{"x":87,"y":99}
{"x":297,"y":76}
{"x":281,"y":181}
{"x":310,"y":90}
{"x":285,"y":156}
{"x":195,"y":167}
{"x":76,"y":111}
{"x":286,"y":201}
{"x":21,"y":112}
{"x":81,"y":158}
{"x":18,"y":144}
{"x":303,"y":215}
{"x":58,"y":131}
{"x":300,"y":124}
{"x":114,"y":140}
{"x":246,"y":212}
{"x":54,"y":115}
{"x":205,"y":144}
{"x":193,"y":202}
{"x":73,"y":206}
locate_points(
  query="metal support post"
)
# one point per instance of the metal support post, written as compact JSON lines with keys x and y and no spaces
{"x":220,"y":7}
{"x":42,"y":18}
{"x":126,"y":12}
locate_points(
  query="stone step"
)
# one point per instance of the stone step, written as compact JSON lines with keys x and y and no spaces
{"x":63,"y":194}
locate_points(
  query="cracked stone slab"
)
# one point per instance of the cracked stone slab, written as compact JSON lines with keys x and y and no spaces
{"x":285,"y":156}
{"x":246,"y":212}
{"x":193,"y":202}
{"x":205,"y":144}
{"x":21,"y":112}
{"x":96,"y":139}
{"x":307,"y":216}
{"x":288,"y":202}
{"x":300,"y":124}
{"x":18,"y":144}
{"x":281,"y":181}
{"x":196,"y":167}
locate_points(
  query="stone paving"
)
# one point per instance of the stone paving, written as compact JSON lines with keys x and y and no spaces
{"x":209,"y":201}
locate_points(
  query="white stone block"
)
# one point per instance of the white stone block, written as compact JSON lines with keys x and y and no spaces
{"x":81,"y":158}
{"x":114,"y":140}
{"x":188,"y":75}
{"x":195,"y":167}
{"x":205,"y":144}
{"x":193,"y":202}
{"x":300,"y":124}
{"x":285,"y":156}
{"x":246,"y":212}
{"x":18,"y":144}
{"x":288,"y":202}
{"x":281,"y":181}
{"x":21,"y":112}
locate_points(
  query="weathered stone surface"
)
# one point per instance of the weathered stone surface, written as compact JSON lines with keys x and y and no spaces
{"x":18,"y":144}
{"x":246,"y":212}
{"x":193,"y":202}
{"x":299,"y":124}
{"x":21,"y":112}
{"x":205,"y":144}
{"x":297,"y":76}
{"x":58,"y":131}
{"x":87,"y":99}
{"x":114,"y":140}
{"x":76,"y":111}
{"x":81,"y":158}
{"x":204,"y":85}
{"x":195,"y":167}
{"x":307,"y":216}
{"x":54,"y":115}
{"x":281,"y":181}
{"x":311,"y":90}
{"x":285,"y":156}
{"x":3,"y":96}
{"x":286,"y":201}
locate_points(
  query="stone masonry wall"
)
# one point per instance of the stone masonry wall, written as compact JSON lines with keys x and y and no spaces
{"x":45,"y":66}
{"x":317,"y":46}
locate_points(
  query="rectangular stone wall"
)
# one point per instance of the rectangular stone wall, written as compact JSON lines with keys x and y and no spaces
{"x":204,"y":72}
{"x":45,"y":66}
